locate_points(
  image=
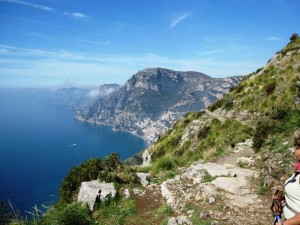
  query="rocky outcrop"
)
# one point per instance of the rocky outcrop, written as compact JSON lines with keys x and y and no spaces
{"x":154,"y":99}
{"x":92,"y":191}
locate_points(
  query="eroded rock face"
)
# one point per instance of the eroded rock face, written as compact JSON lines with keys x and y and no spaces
{"x":92,"y":191}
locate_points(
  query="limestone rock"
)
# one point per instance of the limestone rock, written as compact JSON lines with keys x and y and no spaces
{"x":138,"y":191}
{"x":92,"y":191}
{"x":245,"y":160}
{"x":143,"y":178}
{"x":127,"y":193}
{"x":197,"y":171}
{"x":180,"y":220}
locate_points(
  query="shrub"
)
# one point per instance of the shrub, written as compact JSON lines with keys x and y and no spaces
{"x":203,"y":132}
{"x":280,"y":113}
{"x":115,"y":171}
{"x":72,"y":214}
{"x":165,"y":209}
{"x":159,"y":151}
{"x":85,"y":172}
{"x":270,"y":88}
{"x":239,"y":88}
{"x":228,"y":103}
{"x":258,"y":70}
{"x":264,"y":127}
{"x":163,"y":164}
{"x":115,"y":211}
{"x":216,"y":105}
{"x":294,"y":37}
{"x":108,"y":170}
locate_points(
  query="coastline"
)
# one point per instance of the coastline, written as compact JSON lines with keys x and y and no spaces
{"x":92,"y":121}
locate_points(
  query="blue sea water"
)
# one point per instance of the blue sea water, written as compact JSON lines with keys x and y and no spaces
{"x":40,"y":142}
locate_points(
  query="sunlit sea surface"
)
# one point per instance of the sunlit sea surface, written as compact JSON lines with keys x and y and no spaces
{"x":40,"y":142}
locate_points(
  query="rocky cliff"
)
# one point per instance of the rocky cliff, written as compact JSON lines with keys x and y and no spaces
{"x":154,"y":99}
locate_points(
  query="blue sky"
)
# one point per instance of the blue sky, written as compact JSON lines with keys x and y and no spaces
{"x":93,"y":42}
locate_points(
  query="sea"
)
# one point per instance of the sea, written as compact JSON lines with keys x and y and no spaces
{"x":40,"y":142}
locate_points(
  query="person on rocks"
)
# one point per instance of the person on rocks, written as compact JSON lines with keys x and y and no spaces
{"x":291,"y":209}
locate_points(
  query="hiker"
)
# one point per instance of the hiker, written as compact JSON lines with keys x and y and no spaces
{"x":291,"y":210}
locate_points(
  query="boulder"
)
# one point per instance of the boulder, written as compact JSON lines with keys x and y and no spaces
{"x":92,"y":191}
{"x":197,"y":171}
{"x":127,"y":193}
{"x":180,"y":220}
{"x":143,"y":178}
{"x":245,"y":160}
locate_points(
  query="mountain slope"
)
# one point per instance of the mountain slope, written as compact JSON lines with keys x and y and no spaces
{"x":153,"y":99}
{"x":254,"y":121}
{"x":264,"y":106}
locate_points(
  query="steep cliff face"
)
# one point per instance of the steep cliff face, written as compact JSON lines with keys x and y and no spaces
{"x":153,"y":99}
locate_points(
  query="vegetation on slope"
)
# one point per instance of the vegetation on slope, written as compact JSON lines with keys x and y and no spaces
{"x":108,"y":170}
{"x":270,"y":97}
{"x":214,"y":139}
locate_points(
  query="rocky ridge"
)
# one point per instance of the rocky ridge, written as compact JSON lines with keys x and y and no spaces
{"x":154,"y":99}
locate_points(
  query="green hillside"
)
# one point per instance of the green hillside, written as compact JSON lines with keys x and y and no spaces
{"x":263,"y":107}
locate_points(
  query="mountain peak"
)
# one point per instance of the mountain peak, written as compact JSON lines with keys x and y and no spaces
{"x":164,"y":71}
{"x":153,"y":99}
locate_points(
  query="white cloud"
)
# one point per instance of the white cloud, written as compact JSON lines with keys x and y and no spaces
{"x":94,"y":42}
{"x":98,"y":68}
{"x":179,"y":19}
{"x":94,"y":94}
{"x":76,"y":15}
{"x":274,"y":38}
{"x":37,"y":6}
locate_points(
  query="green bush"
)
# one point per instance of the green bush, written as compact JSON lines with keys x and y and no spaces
{"x":228,"y":103}
{"x":115,"y":211}
{"x":270,"y":88}
{"x":159,"y":151}
{"x":239,"y":88}
{"x":87,"y":171}
{"x":71,"y":214}
{"x":216,"y":105}
{"x":294,"y":37}
{"x":163,"y":164}
{"x":203,"y":132}
{"x":264,"y":127}
{"x":108,"y":170}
